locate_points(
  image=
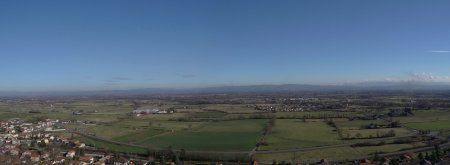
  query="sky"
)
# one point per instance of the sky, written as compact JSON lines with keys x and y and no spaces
{"x":55,"y":45}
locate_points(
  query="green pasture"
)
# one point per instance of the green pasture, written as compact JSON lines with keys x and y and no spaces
{"x":295,"y":133}
{"x":232,"y":108}
{"x":236,"y":135}
{"x":113,"y":147}
{"x":365,"y":133}
{"x":431,"y":125}
{"x":331,"y":154}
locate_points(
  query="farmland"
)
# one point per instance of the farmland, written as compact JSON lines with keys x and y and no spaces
{"x":288,"y":130}
{"x":296,"y":133}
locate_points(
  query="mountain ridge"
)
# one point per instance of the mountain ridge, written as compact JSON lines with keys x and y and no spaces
{"x":406,"y":85}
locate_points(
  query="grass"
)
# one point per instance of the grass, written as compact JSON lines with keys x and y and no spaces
{"x":104,"y":131}
{"x":237,"y":135}
{"x":425,"y":116}
{"x":337,"y":153}
{"x":138,"y":136}
{"x":356,"y":124}
{"x":293,"y":133}
{"x":384,"y":148}
{"x":210,"y":114}
{"x":316,"y":114}
{"x":373,"y":132}
{"x":432,"y":125}
{"x":231,"y":108}
{"x":309,"y":156}
{"x":113,"y":147}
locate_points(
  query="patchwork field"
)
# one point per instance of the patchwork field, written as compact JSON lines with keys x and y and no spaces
{"x":228,"y":127}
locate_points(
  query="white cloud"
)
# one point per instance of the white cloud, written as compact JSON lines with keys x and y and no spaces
{"x":418,"y":77}
{"x":428,"y":77}
{"x":439,"y":51}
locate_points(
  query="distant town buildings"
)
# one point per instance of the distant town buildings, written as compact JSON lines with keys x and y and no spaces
{"x":149,"y":111}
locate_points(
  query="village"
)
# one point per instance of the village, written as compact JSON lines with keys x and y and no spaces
{"x":40,"y":143}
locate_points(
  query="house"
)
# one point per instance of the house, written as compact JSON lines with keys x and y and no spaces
{"x":86,"y":159}
{"x":324,"y":162}
{"x":58,"y":160}
{"x":366,"y":162}
{"x":35,"y":157}
{"x":139,"y":112}
{"x":26,"y":153}
{"x":14,"y":152}
{"x":81,"y":145}
{"x":147,"y":111}
{"x":45,"y":155}
{"x":101,"y":162}
{"x":70,"y":154}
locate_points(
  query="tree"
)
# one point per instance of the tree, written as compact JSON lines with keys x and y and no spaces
{"x":427,"y":157}
{"x":182,"y":154}
{"x":33,"y":143}
{"x":80,"y":152}
{"x":437,"y":152}
{"x":274,"y":162}
{"x":41,"y":144}
{"x":162,"y":160}
{"x":395,"y":124}
{"x":376,"y":156}
{"x":420,"y":156}
{"x":391,"y":133}
{"x":358,"y":135}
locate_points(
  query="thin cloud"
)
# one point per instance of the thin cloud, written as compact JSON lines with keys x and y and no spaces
{"x":110,"y":83}
{"x":439,"y":51}
{"x":429,"y":77}
{"x":186,"y":75}
{"x":115,"y":80}
{"x":419,"y":77}
{"x":121,"y":78}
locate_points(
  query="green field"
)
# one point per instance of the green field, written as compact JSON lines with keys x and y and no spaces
{"x":231,"y":108}
{"x":294,"y":133}
{"x":432,"y":125}
{"x":337,"y":153}
{"x":113,"y":147}
{"x":208,"y":115}
{"x":316,"y":114}
{"x":356,"y":124}
{"x":137,"y":137}
{"x":425,"y":116}
{"x":365,"y":133}
{"x":237,"y":135}
{"x":226,"y":127}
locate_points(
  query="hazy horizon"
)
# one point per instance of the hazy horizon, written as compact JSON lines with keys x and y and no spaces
{"x":109,"y":45}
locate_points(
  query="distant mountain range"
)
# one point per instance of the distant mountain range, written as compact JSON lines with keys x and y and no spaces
{"x":399,"y":85}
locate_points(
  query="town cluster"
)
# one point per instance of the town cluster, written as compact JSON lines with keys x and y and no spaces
{"x":42,"y":143}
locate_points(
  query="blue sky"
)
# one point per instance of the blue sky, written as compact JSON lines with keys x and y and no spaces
{"x":97,"y":45}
